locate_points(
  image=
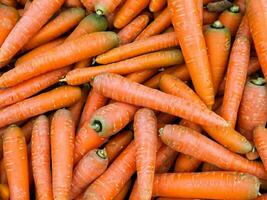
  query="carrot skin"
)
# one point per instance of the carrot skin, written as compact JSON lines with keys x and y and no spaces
{"x":207,"y":167}
{"x":141,"y":76}
{"x":186,"y":163}
{"x":105,"y":7}
{"x":122,"y":194}
{"x":157,"y":5}
{"x":73,"y":3}
{"x":209,"y":17}
{"x":260,"y":140}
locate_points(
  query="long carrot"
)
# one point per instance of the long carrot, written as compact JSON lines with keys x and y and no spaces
{"x":16,"y":163}
{"x":122,"y":194}
{"x":4,"y":192}
{"x":205,"y":185}
{"x":209,"y":17}
{"x":188,"y":141}
{"x":137,"y":48}
{"x":188,"y":30}
{"x":63,"y":130}
{"x":92,"y":165}
{"x":64,"y":22}
{"x":141,"y":76}
{"x":40,"y":150}
{"x":31,"y":22}
{"x":153,"y":60}
{"x":156,"y":5}
{"x":186,"y":163}
{"x":236,"y":73}
{"x":105,"y":7}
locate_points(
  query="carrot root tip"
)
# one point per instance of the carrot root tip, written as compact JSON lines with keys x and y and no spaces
{"x":99,"y":12}
{"x":102,"y":153}
{"x":97,"y":126}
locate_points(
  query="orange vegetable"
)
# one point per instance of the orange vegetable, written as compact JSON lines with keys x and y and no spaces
{"x":3,"y":171}
{"x":4,"y":192}
{"x":89,"y":5}
{"x":73,"y":3}
{"x":209,"y":17}
{"x":207,"y":167}
{"x":157,"y":5}
{"x":122,"y":194}
{"x":141,"y":76}
{"x":27,"y":129}
{"x":104,"y":7}
{"x":186,"y":163}
{"x":260,"y":140}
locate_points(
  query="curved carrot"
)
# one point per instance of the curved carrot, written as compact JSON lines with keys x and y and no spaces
{"x":40,"y":153}
{"x":112,"y":118}
{"x":186,"y":163}
{"x":75,"y":50}
{"x":64,"y":22}
{"x":188,"y":141}
{"x":16,"y":163}
{"x":9,"y":2}
{"x":207,"y":167}
{"x":148,"y":61}
{"x":218,"y":41}
{"x":104,"y":7}
{"x":157,"y":5}
{"x":73,"y":3}
{"x":186,"y":23}
{"x":92,"y":165}
{"x":141,"y":76}
{"x":4,"y":192}
{"x":137,"y":48}
{"x":63,"y":130}
{"x":32,"y":20}
{"x":209,"y":17}
{"x":219,"y":6}
{"x":122,"y":194}
{"x":205,"y":184}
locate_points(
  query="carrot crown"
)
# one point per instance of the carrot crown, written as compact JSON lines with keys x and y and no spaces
{"x":234,"y":9}
{"x":96,"y":125}
{"x":217,"y":25}
{"x":260,"y":81}
{"x":102,"y":153}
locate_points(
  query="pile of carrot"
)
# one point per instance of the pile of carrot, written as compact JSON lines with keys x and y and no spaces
{"x":133,"y":99}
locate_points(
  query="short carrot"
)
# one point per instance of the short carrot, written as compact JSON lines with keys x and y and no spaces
{"x":4,"y":192}
{"x":16,"y":163}
{"x":30,"y":23}
{"x":157,"y":5}
{"x":207,"y":167}
{"x":209,"y":17}
{"x":105,"y":7}
{"x":40,"y":154}
{"x":92,"y":165}
{"x":63,"y":130}
{"x":73,"y":3}
{"x":186,"y":163}
{"x":141,"y":76}
{"x":9,"y":2}
{"x":122,"y":194}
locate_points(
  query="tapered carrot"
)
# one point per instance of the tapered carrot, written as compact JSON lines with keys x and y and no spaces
{"x":9,"y":2}
{"x":186,"y":163}
{"x":112,"y":118}
{"x":141,"y":76}
{"x":156,"y":5}
{"x":63,"y":130}
{"x":204,"y":185}
{"x":64,"y":22}
{"x":207,"y":167}
{"x":188,"y":30}
{"x":154,"y":43}
{"x":116,"y":144}
{"x":218,"y":41}
{"x":122,"y":194}
{"x":4,"y":192}
{"x":219,"y":6}
{"x":73,"y":3}
{"x":16,"y":163}
{"x":209,"y":17}
{"x":156,"y":27}
{"x":31,"y":22}
{"x":40,"y":153}
{"x":92,"y":165}
{"x":188,"y":141}
{"x":104,"y":7}
{"x":65,"y":54}
{"x":153,"y":60}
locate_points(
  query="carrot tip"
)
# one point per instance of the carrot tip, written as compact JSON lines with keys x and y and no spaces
{"x":102,"y":153}
{"x":99,"y":12}
{"x":97,"y":126}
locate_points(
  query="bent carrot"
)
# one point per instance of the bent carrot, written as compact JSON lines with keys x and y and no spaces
{"x":186,"y":163}
{"x":16,"y":163}
{"x":122,"y":194}
{"x":260,"y":140}
{"x":105,"y":7}
{"x":63,"y":130}
{"x":156,"y":5}
{"x":40,"y":153}
{"x":209,"y":17}
{"x":4,"y":192}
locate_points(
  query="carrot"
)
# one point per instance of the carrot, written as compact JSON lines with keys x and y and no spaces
{"x":83,"y":63}
{"x":164,"y":118}
{"x":92,"y":165}
{"x":219,"y":6}
{"x":162,"y":22}
{"x":191,"y":125}
{"x":3,"y":172}
{"x":137,"y":48}
{"x":40,"y":153}
{"x":116,"y":144}
{"x":190,"y":142}
{"x":73,"y":3}
{"x":260,"y":140}
{"x":186,"y":23}
{"x":209,"y":17}
{"x":89,"y":5}
{"x":4,"y":192}
{"x":63,"y":130}
{"x":253,"y":155}
{"x":186,"y":163}
{"x":207,"y":167}
{"x":252,"y":111}
{"x":122,"y":194}
{"x":205,"y":185}
{"x":64,"y":22}
{"x":9,"y":2}
{"x":30,"y":23}
{"x":104,"y":7}
{"x":153,"y":60}
{"x":218,"y":41}
{"x":231,"y":18}
{"x":16,"y":163}
{"x":112,"y":118}
{"x":199,"y":5}
{"x":115,"y":177}
{"x":241,"y":4}
{"x":74,"y":51}
{"x":141,"y":76}
{"x":236,"y":73}
{"x":27,"y":129}
{"x":157,"y":5}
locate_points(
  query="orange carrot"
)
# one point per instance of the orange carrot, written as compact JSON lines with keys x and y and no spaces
{"x":122,"y":194}
{"x":199,"y":5}
{"x":164,"y":118}
{"x":89,"y":5}
{"x":64,"y":22}
{"x":153,"y":60}
{"x":9,"y":2}
{"x":209,"y":17}
{"x":253,"y":155}
{"x":3,"y":172}
{"x":73,"y":51}
{"x":137,"y":48}
{"x":83,"y":63}
{"x":16,"y":163}
{"x":27,"y":129}
{"x":63,"y":130}
{"x":188,"y":141}
{"x":186,"y":23}
{"x":260,"y":140}
{"x":105,"y":7}
{"x":207,"y":167}
{"x":141,"y":76}
{"x":156,"y":5}
{"x":40,"y":153}
{"x":31,"y":22}
{"x":186,"y":163}
{"x":205,"y":185}
{"x":92,"y":165}
{"x":4,"y":192}
{"x":73,"y":3}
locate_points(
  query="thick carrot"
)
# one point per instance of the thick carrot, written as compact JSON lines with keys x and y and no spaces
{"x":73,"y":3}
{"x":207,"y":167}
{"x":162,"y":22}
{"x":9,"y":2}
{"x":16,"y":163}
{"x":188,"y":30}
{"x":260,"y":140}
{"x":209,"y":17}
{"x":112,"y":118}
{"x":157,"y":5}
{"x":92,"y":165}
{"x":219,"y":6}
{"x":141,"y":76}
{"x":64,"y":22}
{"x":188,"y":141}
{"x":30,"y":23}
{"x":153,"y":60}
{"x":218,"y":41}
{"x":186,"y":163}
{"x":30,"y":87}
{"x":116,"y":144}
{"x":236,"y":73}
{"x":4,"y":192}
{"x":122,"y":194}
{"x":154,"y":43}
{"x":40,"y":153}
{"x":105,"y":7}
{"x":205,"y":185}
{"x":63,"y":130}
